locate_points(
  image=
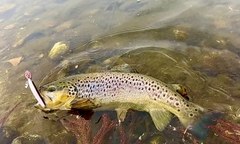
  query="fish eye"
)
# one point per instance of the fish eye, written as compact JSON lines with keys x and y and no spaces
{"x":52,"y":89}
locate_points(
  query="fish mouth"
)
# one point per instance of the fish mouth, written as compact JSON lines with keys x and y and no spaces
{"x":45,"y":98}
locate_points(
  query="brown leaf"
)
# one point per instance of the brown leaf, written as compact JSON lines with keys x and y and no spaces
{"x":15,"y":61}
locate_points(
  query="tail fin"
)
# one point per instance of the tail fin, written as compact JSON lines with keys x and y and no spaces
{"x":200,"y":128}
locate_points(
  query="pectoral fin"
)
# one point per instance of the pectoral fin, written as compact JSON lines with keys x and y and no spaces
{"x":121,"y":114}
{"x":83,"y":104}
{"x":160,"y":117}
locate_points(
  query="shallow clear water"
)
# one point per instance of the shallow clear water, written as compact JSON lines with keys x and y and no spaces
{"x":194,"y":43}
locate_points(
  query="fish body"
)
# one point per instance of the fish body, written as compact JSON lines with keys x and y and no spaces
{"x":120,"y":91}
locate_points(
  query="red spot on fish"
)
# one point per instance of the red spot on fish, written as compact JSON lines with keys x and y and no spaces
{"x":185,"y":94}
{"x":28,"y":74}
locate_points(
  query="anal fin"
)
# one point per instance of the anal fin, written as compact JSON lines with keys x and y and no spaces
{"x":160,"y":117}
{"x":121,"y":114}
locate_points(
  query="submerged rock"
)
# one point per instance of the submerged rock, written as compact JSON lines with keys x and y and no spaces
{"x":29,"y":139}
{"x":156,"y":139}
{"x":28,"y":38}
{"x":58,"y":50}
{"x":7,"y":7}
{"x":7,"y":134}
{"x":11,"y":26}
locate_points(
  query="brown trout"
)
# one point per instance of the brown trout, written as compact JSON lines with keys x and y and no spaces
{"x":120,"y":92}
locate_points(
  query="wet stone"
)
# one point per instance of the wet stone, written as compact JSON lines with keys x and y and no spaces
{"x":156,"y":139}
{"x":28,"y":38}
{"x":7,"y":7}
{"x":59,"y":49}
{"x":7,"y":135}
{"x":29,"y":139}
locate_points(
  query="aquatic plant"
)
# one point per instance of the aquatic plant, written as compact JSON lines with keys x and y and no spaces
{"x":82,"y":129}
{"x":228,"y":130}
{"x":126,"y":132}
{"x":2,"y":120}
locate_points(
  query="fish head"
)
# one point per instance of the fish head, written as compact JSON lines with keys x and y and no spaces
{"x":57,"y":96}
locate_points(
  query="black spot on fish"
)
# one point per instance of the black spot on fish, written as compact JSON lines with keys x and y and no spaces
{"x":75,"y":89}
{"x":191,"y":115}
